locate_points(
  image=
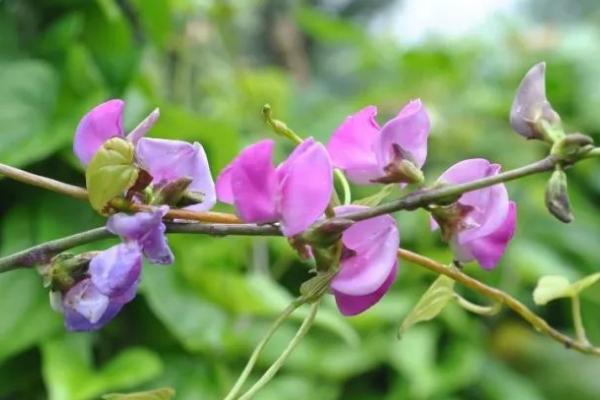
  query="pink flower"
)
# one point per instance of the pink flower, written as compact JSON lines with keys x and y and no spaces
{"x":296,"y":192}
{"x":104,"y":122}
{"x":394,"y":153}
{"x":482,"y":222}
{"x":369,"y":262}
{"x":168,"y":160}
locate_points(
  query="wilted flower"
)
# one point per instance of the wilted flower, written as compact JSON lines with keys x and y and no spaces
{"x":104,"y":122}
{"x":481,"y":223}
{"x":530,"y":108}
{"x":94,"y":301}
{"x":296,"y":192}
{"x":393,"y":153}
{"x":146,"y":229}
{"x":113,"y":275}
{"x":368,"y":266}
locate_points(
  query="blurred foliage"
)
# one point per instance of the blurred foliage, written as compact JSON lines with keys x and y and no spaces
{"x":210,"y":66}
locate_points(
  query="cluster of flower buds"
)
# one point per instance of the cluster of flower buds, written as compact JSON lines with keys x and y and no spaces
{"x":359,"y":258}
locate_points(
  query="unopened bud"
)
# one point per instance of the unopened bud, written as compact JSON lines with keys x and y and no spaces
{"x":557,"y":197}
{"x":531,"y":114}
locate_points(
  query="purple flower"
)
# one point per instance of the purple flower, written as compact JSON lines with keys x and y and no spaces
{"x":168,"y":160}
{"x":147,"y":230}
{"x":531,"y":107}
{"x":394,"y":153}
{"x":296,"y":193}
{"x":369,"y":262}
{"x":104,"y":122}
{"x":95,"y":301}
{"x":482,"y":222}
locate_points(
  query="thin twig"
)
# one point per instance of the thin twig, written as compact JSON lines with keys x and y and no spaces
{"x":536,"y":321}
{"x":42,"y":253}
{"x":261,"y":345}
{"x":273,"y":369}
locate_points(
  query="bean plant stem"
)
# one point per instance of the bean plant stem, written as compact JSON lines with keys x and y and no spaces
{"x":260,"y":346}
{"x":501,"y":297}
{"x":577,"y":320}
{"x":276,"y":366}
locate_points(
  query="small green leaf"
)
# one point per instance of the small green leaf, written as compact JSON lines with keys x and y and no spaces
{"x":552,"y":287}
{"x":110,"y":173}
{"x":156,"y":394}
{"x":375,"y":199}
{"x":433,"y":301}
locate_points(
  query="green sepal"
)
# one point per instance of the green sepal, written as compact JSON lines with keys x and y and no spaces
{"x":111,"y":173}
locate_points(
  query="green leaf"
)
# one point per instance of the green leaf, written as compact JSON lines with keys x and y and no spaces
{"x":69,"y":374}
{"x":552,"y":287}
{"x":433,"y":301}
{"x":375,"y":199}
{"x":156,"y":394}
{"x":110,"y":173}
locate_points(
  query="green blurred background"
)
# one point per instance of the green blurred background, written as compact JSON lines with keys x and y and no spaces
{"x":210,"y":66}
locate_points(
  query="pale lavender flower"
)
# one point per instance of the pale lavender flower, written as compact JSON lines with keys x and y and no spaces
{"x":296,"y":192}
{"x":368,"y":265}
{"x":481,"y":223}
{"x":104,"y":122}
{"x":393,"y":153}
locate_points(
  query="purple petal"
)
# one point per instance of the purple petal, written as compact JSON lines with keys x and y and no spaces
{"x":116,"y":269}
{"x":139,"y":131}
{"x":351,"y":146}
{"x":156,"y":248}
{"x":169,"y":160}
{"x":488,"y":250}
{"x":375,"y":243}
{"x":86,"y":300}
{"x":410,"y":130}
{"x":253,"y":183}
{"x":96,"y":127}
{"x":305,"y":184}
{"x":352,"y":305}
{"x":136,"y":226}
{"x":490,"y":205}
{"x":530,"y":104}
{"x":223,"y":185}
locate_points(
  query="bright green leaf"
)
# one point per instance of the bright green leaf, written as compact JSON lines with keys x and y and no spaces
{"x":156,"y":394}
{"x":433,"y":301}
{"x":552,"y":287}
{"x":110,"y":173}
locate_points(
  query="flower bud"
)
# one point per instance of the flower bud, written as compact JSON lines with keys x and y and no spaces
{"x":531,"y":115}
{"x":557,"y":197}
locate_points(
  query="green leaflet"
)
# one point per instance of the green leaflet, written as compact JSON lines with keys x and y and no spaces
{"x":110,"y":173}
{"x":156,"y":394}
{"x":433,"y":301}
{"x":552,"y":287}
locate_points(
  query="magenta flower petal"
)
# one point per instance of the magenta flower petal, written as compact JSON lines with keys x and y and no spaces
{"x":96,"y":127}
{"x":305,"y":184}
{"x":409,"y":130}
{"x":169,"y":160}
{"x":373,"y":244}
{"x":223,"y":184}
{"x":490,"y":205}
{"x":254,"y":183}
{"x":489,"y":249}
{"x":352,"y":305}
{"x":351,"y":146}
{"x":116,"y":269}
{"x":139,"y":131}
